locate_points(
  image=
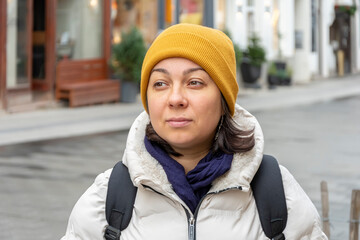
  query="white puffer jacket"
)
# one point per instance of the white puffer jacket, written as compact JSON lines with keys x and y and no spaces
{"x":229,"y":213}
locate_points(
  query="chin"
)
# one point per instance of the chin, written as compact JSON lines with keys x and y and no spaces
{"x":178,"y":143}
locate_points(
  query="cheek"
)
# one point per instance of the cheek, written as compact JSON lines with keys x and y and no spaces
{"x":212,"y":106}
{"x":154,"y":105}
{"x":209,"y":113}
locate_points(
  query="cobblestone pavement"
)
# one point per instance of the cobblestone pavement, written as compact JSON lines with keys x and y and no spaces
{"x":40,"y":182}
{"x":319,"y":143}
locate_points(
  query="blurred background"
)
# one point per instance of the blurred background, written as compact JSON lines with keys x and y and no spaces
{"x":69,"y":91}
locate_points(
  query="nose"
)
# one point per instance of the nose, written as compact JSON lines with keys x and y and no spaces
{"x":177,"y":98}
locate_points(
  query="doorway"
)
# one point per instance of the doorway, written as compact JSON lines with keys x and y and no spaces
{"x":18,"y":52}
{"x":340,"y":37}
{"x":43,"y":49}
{"x":38,"y":44}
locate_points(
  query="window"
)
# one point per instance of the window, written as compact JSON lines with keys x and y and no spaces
{"x":17,"y":52}
{"x":313,"y":26}
{"x":140,"y":13}
{"x":221,"y":14}
{"x":79,"y":30}
{"x":191,"y":11}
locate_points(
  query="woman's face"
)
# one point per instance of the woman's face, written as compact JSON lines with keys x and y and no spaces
{"x":184,"y":104}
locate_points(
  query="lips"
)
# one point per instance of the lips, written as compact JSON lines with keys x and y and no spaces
{"x":178,"y":122}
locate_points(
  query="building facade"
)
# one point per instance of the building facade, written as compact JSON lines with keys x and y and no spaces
{"x":36,"y":34}
{"x":317,"y":38}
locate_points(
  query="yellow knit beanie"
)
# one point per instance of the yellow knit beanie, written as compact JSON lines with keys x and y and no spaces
{"x":209,"y":48}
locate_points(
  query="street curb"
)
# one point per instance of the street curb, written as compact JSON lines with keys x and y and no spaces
{"x":69,"y":122}
{"x":65,"y":123}
{"x":302,"y":95}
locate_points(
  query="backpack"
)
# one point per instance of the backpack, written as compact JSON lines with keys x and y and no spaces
{"x":267,"y":188}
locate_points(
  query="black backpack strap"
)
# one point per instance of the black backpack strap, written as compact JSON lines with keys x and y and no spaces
{"x":268,"y":190}
{"x":120,"y":200}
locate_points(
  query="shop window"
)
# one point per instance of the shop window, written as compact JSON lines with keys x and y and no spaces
{"x":17,"y":52}
{"x":221,"y":14}
{"x":79,"y":29}
{"x":140,"y":13}
{"x":191,"y":11}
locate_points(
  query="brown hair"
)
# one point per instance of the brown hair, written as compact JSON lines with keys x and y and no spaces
{"x":230,"y":138}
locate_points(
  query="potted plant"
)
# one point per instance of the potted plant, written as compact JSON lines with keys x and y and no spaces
{"x":287,"y":77}
{"x":254,"y":57}
{"x":272,"y":77}
{"x":277,"y":75}
{"x":126,"y":60}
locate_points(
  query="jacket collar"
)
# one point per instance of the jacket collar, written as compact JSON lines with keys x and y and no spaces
{"x":145,"y":170}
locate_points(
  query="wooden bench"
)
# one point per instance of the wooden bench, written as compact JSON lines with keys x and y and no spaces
{"x":84,"y":82}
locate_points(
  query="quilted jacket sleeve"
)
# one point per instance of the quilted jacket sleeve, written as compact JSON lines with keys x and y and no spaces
{"x":303,"y":219}
{"x":87,"y":220}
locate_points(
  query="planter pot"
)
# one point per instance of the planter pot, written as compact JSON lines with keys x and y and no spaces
{"x":128,"y":91}
{"x":250,"y":73}
{"x":272,"y":81}
{"x":286,"y":81}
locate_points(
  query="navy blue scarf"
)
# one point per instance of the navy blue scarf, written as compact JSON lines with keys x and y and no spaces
{"x":193,"y":186}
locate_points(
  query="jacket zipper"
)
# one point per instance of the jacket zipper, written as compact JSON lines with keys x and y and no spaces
{"x":191,"y":228}
{"x":192,"y":218}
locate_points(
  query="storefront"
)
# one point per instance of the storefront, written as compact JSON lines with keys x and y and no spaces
{"x":140,"y":13}
{"x":38,"y":34}
{"x":151,"y":16}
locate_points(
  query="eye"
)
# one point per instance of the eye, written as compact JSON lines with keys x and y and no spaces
{"x":195,"y":83}
{"x":159,"y":84}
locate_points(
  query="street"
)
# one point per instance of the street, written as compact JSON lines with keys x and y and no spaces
{"x":316,"y":143}
{"x":41,"y":181}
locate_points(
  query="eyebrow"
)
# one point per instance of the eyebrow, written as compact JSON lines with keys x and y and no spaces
{"x":162,"y":70}
{"x":190,"y":70}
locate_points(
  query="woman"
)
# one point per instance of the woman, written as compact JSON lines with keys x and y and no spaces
{"x":193,"y":152}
